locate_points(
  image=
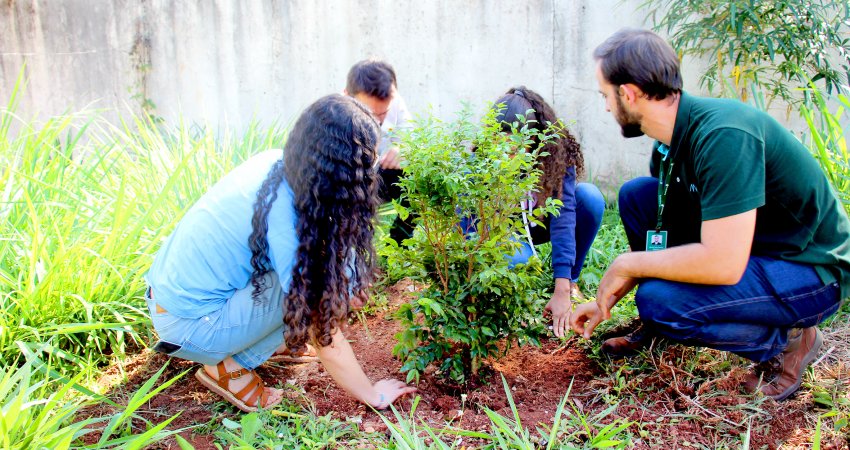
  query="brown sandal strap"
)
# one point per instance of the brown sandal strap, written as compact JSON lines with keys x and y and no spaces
{"x":264,"y":395}
{"x":224,"y":377}
{"x":256,"y":385}
{"x":308,"y":352}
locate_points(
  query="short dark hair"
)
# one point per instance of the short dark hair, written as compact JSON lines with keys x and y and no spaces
{"x":642,"y":58}
{"x":371,"y":77}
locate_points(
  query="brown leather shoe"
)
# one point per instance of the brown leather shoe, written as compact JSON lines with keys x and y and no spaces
{"x":761,"y":374}
{"x":628,"y":344}
{"x":764,"y":372}
{"x":782,"y":375}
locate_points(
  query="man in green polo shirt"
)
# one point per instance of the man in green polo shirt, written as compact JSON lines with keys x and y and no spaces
{"x":738,"y":241}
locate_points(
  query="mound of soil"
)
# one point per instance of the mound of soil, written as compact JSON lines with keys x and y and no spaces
{"x":538,"y":379}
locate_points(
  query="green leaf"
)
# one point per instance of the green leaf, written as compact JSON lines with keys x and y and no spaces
{"x":230,"y":424}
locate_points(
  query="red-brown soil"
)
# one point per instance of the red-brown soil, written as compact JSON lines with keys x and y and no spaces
{"x":662,"y":398}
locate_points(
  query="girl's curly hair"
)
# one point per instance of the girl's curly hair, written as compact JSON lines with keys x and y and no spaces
{"x":563,"y":152}
{"x":328,"y":161}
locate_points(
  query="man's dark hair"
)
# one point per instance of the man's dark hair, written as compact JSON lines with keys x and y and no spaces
{"x":371,"y":77}
{"x":642,"y":58}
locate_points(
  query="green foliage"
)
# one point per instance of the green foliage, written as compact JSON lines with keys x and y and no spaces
{"x":571,"y":429}
{"x":509,"y":432}
{"x":830,"y":394}
{"x":828,"y":141}
{"x":83,"y":208}
{"x":472,"y":297}
{"x":282,"y":429}
{"x":794,"y":50}
{"x":34,"y":414}
{"x":404,"y":433}
{"x":840,"y":423}
{"x":37,"y":412}
{"x":777,"y":46}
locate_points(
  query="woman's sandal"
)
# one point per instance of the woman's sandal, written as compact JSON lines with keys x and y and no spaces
{"x":259,"y":397}
{"x":287,"y":357}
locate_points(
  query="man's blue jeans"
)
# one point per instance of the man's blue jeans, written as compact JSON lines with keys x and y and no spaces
{"x":751,"y":318}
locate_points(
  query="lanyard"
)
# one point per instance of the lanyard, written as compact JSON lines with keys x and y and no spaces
{"x":664,"y":175}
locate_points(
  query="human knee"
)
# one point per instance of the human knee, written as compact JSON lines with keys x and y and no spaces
{"x":633,"y":191}
{"x":590,"y":198}
{"x":656,"y":303}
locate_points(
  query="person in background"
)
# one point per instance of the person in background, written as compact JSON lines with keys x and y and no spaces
{"x":373,"y":83}
{"x":738,"y":241}
{"x":266,"y":261}
{"x":572,"y":231}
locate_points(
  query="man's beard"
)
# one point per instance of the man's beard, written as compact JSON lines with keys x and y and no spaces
{"x":629,"y":123}
{"x":631,"y":130}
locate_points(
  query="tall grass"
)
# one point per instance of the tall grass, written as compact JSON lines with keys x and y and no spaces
{"x":828,"y":138}
{"x":84,"y":205}
{"x":38,"y":412}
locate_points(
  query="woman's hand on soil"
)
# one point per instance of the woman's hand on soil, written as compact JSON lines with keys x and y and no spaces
{"x":560,"y":307}
{"x":585,"y":319}
{"x":387,"y":391}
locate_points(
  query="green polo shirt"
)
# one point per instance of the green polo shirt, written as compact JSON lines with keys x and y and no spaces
{"x":730,"y":158}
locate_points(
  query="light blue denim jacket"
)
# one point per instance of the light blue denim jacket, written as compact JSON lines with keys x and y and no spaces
{"x":207,"y":258}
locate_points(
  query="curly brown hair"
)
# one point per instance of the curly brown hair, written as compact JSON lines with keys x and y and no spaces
{"x":563,"y":151}
{"x":328,"y":161}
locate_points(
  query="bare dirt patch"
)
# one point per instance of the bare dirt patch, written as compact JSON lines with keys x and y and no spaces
{"x":668,"y":404}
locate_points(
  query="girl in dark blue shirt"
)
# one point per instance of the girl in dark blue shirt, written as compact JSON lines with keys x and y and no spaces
{"x":572,"y":231}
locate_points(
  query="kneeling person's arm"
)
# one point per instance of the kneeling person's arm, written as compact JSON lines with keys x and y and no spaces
{"x":340,"y":362}
{"x":720,"y":257}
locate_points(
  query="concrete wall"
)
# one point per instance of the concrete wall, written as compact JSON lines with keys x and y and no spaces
{"x":225,"y":63}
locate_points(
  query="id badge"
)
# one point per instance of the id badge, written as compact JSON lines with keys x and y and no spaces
{"x":656,"y":240}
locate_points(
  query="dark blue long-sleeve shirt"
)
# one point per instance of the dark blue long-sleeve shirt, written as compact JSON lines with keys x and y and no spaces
{"x":561,"y":230}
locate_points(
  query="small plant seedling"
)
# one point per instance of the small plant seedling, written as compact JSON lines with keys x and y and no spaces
{"x":466,"y":181}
